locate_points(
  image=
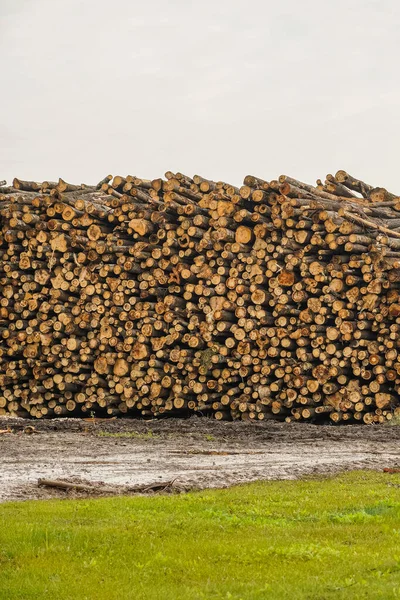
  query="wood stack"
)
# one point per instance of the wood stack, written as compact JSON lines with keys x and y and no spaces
{"x":275,"y":300}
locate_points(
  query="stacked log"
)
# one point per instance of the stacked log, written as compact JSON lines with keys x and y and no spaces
{"x":275,"y":300}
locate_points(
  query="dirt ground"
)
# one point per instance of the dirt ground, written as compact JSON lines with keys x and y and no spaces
{"x":195,"y":453}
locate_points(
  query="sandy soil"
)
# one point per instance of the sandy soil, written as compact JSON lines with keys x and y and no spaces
{"x":196,"y":453}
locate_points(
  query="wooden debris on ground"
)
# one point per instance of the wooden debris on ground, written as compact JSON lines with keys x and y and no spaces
{"x":103,"y":489}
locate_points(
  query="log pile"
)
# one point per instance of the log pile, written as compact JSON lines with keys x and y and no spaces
{"x":275,"y":300}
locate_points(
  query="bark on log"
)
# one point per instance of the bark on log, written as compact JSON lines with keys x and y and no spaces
{"x":158,"y":298}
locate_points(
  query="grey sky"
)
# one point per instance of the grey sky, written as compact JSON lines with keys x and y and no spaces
{"x":221,"y":88}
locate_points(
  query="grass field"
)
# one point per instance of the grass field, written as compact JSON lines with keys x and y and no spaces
{"x":317,"y":539}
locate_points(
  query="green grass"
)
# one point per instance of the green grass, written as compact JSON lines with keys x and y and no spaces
{"x":319,"y":539}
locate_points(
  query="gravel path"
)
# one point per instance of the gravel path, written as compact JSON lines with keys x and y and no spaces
{"x":197,"y":453}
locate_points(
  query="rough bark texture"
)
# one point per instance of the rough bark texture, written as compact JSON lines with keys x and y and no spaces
{"x":278,"y":300}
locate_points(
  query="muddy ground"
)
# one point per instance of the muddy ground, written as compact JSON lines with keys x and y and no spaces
{"x":195,"y":453}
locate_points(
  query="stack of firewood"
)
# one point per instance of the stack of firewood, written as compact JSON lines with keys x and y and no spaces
{"x":275,"y":300}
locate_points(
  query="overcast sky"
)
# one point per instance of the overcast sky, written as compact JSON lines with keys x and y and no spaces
{"x":221,"y":88}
